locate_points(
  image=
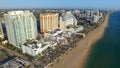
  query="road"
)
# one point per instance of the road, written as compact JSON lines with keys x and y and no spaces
{"x":10,"y":52}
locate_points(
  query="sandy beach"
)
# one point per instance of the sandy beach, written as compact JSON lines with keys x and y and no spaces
{"x":77,"y":57}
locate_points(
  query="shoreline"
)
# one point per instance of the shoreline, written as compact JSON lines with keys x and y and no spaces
{"x":77,"y":57}
{"x":97,"y":37}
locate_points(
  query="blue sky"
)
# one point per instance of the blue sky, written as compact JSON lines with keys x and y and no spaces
{"x":101,"y":4}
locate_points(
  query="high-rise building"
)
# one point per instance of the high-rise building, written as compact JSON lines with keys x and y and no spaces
{"x":1,"y":30}
{"x":48,"y":22}
{"x":20,"y":26}
{"x":67,"y":19}
{"x":87,"y":13}
{"x":76,"y":11}
{"x":94,"y":12}
{"x":94,"y":19}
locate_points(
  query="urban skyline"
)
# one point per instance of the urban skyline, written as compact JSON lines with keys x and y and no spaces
{"x":37,"y":34}
{"x":86,"y":4}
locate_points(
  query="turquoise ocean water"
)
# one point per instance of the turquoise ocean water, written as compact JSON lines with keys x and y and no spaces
{"x":105,"y":53}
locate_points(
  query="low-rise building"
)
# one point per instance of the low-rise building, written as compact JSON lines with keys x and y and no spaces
{"x":54,"y":33}
{"x":60,"y":36}
{"x":35,"y":47}
{"x":14,"y":62}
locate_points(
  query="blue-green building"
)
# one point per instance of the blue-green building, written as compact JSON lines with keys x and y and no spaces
{"x":20,"y":26}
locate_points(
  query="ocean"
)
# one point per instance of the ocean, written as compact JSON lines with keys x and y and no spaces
{"x":105,"y":53}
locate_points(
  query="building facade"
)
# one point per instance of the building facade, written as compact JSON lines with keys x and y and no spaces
{"x":48,"y":22}
{"x":66,"y":20}
{"x":20,"y":26}
{"x":35,"y":47}
{"x":87,"y":13}
{"x":94,"y":12}
{"x":1,"y":30}
{"x":94,"y":19}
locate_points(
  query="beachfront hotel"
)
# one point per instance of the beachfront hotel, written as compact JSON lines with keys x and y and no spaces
{"x":48,"y":22}
{"x":20,"y":26}
{"x":66,"y":20}
{"x":34,"y":47}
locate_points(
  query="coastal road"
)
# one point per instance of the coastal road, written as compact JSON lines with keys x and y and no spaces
{"x":78,"y":55}
{"x":10,"y":52}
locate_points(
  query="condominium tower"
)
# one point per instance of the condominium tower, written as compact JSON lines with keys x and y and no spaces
{"x":48,"y":22}
{"x":1,"y":30}
{"x":20,"y":26}
{"x":95,"y":12}
{"x":67,"y":19}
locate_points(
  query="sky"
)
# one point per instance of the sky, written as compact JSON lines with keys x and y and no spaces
{"x":83,"y":4}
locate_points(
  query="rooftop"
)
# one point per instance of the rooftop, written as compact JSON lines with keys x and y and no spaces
{"x":14,"y":62}
{"x":32,"y":43}
{"x":55,"y":31}
{"x":18,"y":12}
{"x":67,"y":16}
{"x":43,"y":45}
{"x":45,"y":14}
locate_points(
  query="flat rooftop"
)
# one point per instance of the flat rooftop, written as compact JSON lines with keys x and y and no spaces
{"x":43,"y":45}
{"x":14,"y":62}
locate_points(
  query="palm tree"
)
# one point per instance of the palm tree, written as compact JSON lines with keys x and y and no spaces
{"x":58,"y":60}
{"x":51,"y":65}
